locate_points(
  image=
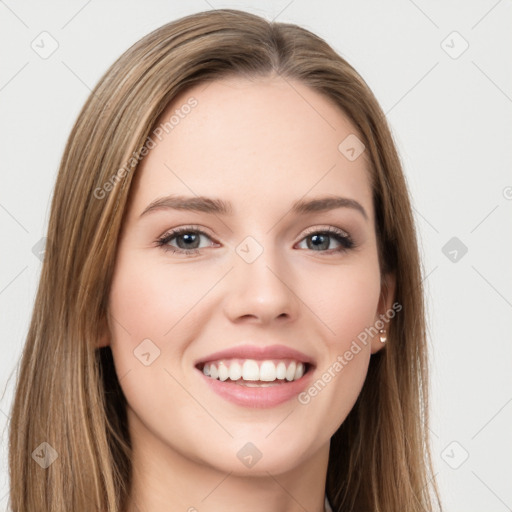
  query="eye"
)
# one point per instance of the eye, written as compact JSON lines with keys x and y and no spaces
{"x":320,"y":240}
{"x":187,"y":239}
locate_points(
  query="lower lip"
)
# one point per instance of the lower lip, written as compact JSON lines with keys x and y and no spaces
{"x":260,"y":397}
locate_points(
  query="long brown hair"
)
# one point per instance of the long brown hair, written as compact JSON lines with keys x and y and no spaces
{"x":68,"y":402}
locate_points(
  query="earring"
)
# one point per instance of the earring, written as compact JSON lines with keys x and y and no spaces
{"x":383,"y":337}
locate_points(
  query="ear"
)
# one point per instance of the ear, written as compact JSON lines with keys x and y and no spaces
{"x":382,"y":317}
{"x":104,"y":339}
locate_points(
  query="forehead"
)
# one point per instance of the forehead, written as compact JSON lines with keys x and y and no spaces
{"x":269,"y":138}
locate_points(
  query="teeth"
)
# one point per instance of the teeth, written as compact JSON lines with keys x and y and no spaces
{"x":235,"y":371}
{"x":281,"y":370}
{"x":255,"y":385}
{"x":290,"y":372}
{"x":223,"y":371}
{"x":268,"y":371}
{"x":250,"y":370}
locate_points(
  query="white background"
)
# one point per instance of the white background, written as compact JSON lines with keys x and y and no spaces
{"x":451,"y":118}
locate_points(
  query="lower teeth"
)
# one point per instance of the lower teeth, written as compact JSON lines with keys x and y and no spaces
{"x":254,"y":385}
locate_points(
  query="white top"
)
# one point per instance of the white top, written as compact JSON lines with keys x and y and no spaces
{"x":327,"y":505}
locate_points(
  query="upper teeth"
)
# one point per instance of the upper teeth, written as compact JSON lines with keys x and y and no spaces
{"x":251,"y":370}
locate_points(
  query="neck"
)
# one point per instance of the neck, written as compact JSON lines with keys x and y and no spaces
{"x":164,"y":478}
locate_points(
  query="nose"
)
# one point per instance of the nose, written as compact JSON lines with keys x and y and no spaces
{"x":262,"y":291}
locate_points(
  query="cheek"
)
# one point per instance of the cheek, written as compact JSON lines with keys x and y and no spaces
{"x":346,"y":304}
{"x":152,"y":315}
{"x":148,"y":305}
{"x":148,"y":301}
{"x":345,"y":300}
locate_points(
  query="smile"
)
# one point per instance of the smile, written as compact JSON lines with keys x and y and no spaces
{"x":251,"y":370}
{"x":256,"y":384}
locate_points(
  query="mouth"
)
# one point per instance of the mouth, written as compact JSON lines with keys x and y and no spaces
{"x":254,"y":383}
{"x":255,"y":373}
{"x":257,"y":376}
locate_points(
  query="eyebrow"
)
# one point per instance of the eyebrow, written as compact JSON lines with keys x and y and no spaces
{"x":221,"y":207}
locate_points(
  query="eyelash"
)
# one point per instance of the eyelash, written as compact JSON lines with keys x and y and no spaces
{"x":344,"y":239}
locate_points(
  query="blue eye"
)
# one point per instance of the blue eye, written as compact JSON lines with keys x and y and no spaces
{"x":321,"y":239}
{"x":188,"y":240}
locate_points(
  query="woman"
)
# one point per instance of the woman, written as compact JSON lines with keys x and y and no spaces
{"x":230,"y":312}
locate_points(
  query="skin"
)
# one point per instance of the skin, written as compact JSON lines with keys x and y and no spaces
{"x":261,"y":145}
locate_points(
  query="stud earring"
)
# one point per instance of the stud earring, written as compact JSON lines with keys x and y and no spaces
{"x":382,"y":335}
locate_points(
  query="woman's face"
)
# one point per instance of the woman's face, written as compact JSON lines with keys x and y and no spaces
{"x":264,"y":273}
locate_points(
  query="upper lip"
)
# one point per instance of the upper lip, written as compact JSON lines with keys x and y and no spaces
{"x":258,"y":352}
